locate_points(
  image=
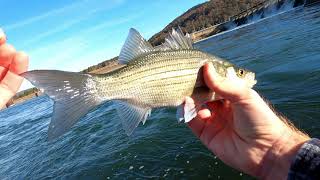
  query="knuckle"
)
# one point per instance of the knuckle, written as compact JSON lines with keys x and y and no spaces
{"x":22,"y":55}
{"x":6,"y":50}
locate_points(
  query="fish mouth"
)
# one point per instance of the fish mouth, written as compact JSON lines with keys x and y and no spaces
{"x":251,"y":81}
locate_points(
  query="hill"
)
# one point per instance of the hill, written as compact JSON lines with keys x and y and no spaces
{"x":205,"y":15}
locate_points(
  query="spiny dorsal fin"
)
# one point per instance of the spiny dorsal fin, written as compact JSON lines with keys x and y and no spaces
{"x":134,"y":46}
{"x":176,"y":40}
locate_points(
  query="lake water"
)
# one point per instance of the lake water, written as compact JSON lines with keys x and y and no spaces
{"x":283,"y":50}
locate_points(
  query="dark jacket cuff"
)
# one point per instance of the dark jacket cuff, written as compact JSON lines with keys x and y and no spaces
{"x":306,"y":164}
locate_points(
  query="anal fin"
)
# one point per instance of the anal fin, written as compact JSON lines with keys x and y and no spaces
{"x":131,"y":115}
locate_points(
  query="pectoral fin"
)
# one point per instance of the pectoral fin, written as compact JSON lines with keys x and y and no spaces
{"x":187,"y":111}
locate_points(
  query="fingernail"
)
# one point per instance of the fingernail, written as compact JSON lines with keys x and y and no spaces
{"x":211,"y":69}
{"x":210,"y":65}
{"x":1,"y":33}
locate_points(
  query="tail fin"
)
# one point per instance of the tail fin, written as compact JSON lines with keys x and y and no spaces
{"x":74,"y":95}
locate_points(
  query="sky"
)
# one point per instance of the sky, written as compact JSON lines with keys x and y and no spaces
{"x":71,"y":35}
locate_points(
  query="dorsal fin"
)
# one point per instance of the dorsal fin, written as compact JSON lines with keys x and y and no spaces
{"x":176,"y":40}
{"x":134,"y":46}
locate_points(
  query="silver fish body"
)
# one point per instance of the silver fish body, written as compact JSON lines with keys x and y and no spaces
{"x":155,"y":80}
{"x":152,"y":77}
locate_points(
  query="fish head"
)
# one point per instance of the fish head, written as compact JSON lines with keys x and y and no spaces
{"x":230,"y":71}
{"x":241,"y":75}
{"x":244,"y":75}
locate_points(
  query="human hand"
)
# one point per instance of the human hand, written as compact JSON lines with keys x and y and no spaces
{"x":12,"y":63}
{"x":244,"y":132}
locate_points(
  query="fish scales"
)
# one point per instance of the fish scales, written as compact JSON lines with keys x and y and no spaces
{"x":157,"y":79}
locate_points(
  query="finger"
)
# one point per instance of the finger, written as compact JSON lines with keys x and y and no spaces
{"x":12,"y":81}
{"x":19,"y":63}
{"x":3,"y":37}
{"x":4,"y":98}
{"x":228,"y":89}
{"x":210,"y":131}
{"x":197,"y":126}
{"x":226,"y":104}
{"x":204,"y":114}
{"x":7,"y":53}
{"x":215,"y":105}
{"x":222,"y":108}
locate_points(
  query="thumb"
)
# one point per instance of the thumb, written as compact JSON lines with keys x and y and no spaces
{"x":229,"y":89}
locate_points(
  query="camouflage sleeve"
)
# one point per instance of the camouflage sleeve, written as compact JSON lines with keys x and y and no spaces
{"x":306,"y":164}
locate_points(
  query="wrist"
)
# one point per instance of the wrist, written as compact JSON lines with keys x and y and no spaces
{"x":277,"y":161}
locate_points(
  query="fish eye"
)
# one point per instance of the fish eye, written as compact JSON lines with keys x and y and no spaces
{"x":241,"y":72}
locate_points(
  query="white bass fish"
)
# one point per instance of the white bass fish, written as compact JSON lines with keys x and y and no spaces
{"x":152,"y":77}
